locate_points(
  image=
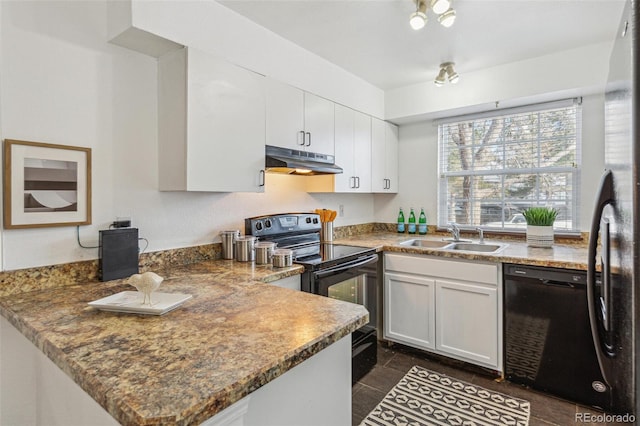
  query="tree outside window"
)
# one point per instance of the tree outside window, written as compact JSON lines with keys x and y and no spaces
{"x":493,"y":167}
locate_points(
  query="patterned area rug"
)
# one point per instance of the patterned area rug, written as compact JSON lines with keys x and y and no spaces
{"x":424,"y":397}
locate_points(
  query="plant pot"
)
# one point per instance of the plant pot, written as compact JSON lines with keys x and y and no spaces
{"x":539,"y":236}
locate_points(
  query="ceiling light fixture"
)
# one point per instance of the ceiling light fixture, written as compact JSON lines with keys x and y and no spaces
{"x":443,"y":8}
{"x":447,"y":18}
{"x":440,"y":78}
{"x":446,"y":70}
{"x":418,"y":19}
{"x":440,"y":6}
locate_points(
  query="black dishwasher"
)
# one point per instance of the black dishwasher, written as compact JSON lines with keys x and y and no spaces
{"x":548,"y":343}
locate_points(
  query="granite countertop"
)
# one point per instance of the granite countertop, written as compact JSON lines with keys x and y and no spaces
{"x":235,"y":335}
{"x":558,"y":256}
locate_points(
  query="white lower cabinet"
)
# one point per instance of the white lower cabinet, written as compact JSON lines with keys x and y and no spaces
{"x":452,"y":308}
{"x":409,"y":310}
{"x":467,"y":321}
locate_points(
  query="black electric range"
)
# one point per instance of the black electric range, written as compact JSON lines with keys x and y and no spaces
{"x":343,"y":272}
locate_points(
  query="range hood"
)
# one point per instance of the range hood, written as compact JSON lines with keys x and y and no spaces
{"x":304,"y":163}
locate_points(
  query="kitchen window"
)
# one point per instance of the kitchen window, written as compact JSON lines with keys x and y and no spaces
{"x":494,"y":165}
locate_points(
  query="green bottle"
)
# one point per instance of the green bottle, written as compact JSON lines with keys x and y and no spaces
{"x":422,"y":223}
{"x":412,"y":222}
{"x":401,"y":222}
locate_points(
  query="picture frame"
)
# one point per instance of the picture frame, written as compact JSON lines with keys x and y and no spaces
{"x":46,"y":185}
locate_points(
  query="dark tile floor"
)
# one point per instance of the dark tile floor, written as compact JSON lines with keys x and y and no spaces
{"x":395,"y":361}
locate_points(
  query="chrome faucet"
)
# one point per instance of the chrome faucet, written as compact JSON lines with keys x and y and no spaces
{"x":455,"y":231}
{"x":481,"y":233}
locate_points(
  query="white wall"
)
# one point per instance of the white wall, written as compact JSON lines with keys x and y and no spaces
{"x":419,"y":163}
{"x":62,"y":82}
{"x":575,"y":72}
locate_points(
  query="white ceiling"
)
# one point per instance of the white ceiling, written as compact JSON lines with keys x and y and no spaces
{"x":372,"y":38}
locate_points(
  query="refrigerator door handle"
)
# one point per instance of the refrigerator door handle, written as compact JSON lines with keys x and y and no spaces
{"x":605,"y":196}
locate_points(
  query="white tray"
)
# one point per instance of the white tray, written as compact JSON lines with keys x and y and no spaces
{"x":131,"y":302}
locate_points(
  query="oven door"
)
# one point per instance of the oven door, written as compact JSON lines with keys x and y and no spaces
{"x":354,"y":281}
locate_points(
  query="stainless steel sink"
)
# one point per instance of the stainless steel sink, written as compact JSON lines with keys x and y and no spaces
{"x":462,"y":245}
{"x":425,"y":243}
{"x":484,"y":248}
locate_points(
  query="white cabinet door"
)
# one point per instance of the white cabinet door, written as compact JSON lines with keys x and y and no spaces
{"x":319,"y":124}
{"x":298,"y":120}
{"x":285,"y":115}
{"x":353,"y":150}
{"x":391,"y":157}
{"x":467,"y":321}
{"x":409,"y":310}
{"x":384,"y":156}
{"x":209,"y":112}
{"x":362,"y":151}
{"x":378,"y":154}
{"x":344,"y":125}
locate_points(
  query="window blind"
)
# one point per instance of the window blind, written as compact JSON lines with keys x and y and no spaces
{"x":494,"y":165}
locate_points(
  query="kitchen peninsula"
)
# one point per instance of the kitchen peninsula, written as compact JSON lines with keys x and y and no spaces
{"x":238,"y":339}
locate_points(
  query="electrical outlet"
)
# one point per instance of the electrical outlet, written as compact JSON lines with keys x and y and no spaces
{"x":341,"y":210}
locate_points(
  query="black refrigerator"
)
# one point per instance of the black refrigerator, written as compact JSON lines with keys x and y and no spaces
{"x":614,"y":301}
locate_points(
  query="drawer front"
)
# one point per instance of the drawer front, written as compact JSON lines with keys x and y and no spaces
{"x":429,"y":266}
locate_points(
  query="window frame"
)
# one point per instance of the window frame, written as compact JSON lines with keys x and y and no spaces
{"x":573,"y":170}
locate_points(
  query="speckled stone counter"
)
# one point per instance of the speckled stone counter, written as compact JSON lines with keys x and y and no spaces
{"x":558,"y":256}
{"x":235,"y":335}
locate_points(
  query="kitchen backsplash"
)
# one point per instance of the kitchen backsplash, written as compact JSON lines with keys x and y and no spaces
{"x":40,"y":278}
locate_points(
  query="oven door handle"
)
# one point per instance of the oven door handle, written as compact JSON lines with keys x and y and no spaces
{"x":346,"y":266}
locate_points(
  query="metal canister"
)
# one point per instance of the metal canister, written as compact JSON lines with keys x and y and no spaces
{"x":264,"y":252}
{"x":228,"y":241}
{"x":245,"y":248}
{"x":282,"y":258}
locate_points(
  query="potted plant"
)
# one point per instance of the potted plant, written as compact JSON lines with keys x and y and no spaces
{"x":540,"y":225}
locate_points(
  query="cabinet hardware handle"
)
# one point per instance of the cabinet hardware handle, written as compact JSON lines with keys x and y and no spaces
{"x":262,"y":178}
{"x":301,"y":143}
{"x":309,"y":143}
{"x":352,"y":183}
{"x":386,"y":184}
{"x":358,"y":180}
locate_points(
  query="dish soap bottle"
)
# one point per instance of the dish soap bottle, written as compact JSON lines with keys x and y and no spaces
{"x":412,"y":222}
{"x":401,"y":222}
{"x":422,"y":222}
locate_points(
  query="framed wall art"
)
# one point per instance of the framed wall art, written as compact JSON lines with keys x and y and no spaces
{"x":46,"y":185}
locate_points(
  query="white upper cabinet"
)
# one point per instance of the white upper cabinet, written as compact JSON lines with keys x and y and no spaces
{"x":319,"y":124}
{"x":211,"y":124}
{"x":352,"y":153}
{"x":384,"y":156}
{"x":298,"y":120}
{"x":285,"y":115}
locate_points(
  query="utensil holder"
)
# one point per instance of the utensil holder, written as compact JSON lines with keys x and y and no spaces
{"x":326,"y":232}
